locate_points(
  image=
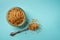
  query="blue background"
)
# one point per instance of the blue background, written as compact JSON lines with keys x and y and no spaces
{"x":46,"y":11}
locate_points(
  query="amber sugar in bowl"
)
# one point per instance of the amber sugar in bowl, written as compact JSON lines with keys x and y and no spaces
{"x":16,"y":16}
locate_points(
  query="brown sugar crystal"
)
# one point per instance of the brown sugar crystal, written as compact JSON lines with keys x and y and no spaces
{"x":33,"y":25}
{"x":15,"y":16}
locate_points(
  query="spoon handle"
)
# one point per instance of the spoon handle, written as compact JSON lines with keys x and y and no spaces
{"x":19,"y":31}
